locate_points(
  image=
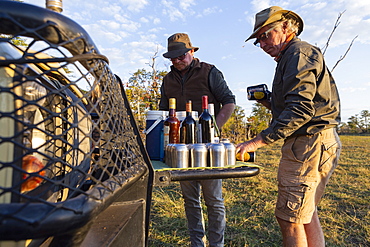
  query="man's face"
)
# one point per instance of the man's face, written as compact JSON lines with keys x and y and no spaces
{"x":182,"y":63}
{"x":274,"y":39}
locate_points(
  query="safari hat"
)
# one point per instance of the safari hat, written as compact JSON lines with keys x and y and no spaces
{"x":272,"y":14}
{"x":178,"y":44}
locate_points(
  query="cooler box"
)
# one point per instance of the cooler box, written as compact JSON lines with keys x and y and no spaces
{"x":182,"y":114}
{"x":154,"y":134}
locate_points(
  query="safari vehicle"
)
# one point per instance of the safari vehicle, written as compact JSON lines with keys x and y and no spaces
{"x":73,"y":168}
{"x":69,"y":147}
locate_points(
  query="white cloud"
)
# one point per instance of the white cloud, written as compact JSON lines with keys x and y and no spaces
{"x":258,"y":5}
{"x":156,"y":21}
{"x":156,"y":30}
{"x":227,"y":57}
{"x":144,"y":20}
{"x":151,"y":20}
{"x":172,"y":12}
{"x":127,"y":24}
{"x":186,"y":4}
{"x":315,"y":6}
{"x":134,"y":5}
{"x":178,"y":11}
{"x":109,"y":24}
{"x":123,"y":34}
{"x":100,"y":34}
{"x":212,"y":10}
{"x":111,"y":9}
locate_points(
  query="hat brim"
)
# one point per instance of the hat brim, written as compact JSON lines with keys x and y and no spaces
{"x":276,"y":17}
{"x":177,"y":53}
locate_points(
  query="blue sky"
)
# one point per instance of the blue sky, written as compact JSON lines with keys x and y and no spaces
{"x":129,"y":32}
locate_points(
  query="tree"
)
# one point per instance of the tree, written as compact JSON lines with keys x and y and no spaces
{"x":143,"y":93}
{"x":143,"y":90}
{"x":259,"y":119}
{"x":236,"y":128}
{"x":336,"y":24}
{"x":365,"y":115}
{"x":359,"y":123}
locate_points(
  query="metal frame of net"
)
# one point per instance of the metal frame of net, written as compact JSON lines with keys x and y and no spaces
{"x":64,"y":111}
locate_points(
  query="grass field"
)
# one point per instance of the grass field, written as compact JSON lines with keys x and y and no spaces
{"x":344,"y":210}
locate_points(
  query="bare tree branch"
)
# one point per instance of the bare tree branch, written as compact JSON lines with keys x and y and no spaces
{"x":332,"y":32}
{"x":342,"y":57}
{"x":152,"y":63}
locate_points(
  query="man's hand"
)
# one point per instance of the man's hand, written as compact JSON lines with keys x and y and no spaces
{"x":265,"y":103}
{"x":250,"y":146}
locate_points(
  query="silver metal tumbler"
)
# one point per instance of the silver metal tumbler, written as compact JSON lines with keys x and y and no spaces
{"x":180,"y":156}
{"x":217,"y":157}
{"x":168,"y":155}
{"x":198,"y":155}
{"x":230,"y":152}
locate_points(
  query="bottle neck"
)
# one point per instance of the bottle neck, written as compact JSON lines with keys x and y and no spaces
{"x":211,"y":109}
{"x":172,"y":113}
{"x":205,"y":103}
{"x":188,"y":109}
{"x":172,"y":107}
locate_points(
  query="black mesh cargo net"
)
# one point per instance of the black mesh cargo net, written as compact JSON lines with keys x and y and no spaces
{"x":68,"y":142}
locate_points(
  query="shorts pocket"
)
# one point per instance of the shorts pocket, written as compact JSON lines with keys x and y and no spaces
{"x":295,"y":198}
{"x":329,"y":155}
{"x":299,"y":148}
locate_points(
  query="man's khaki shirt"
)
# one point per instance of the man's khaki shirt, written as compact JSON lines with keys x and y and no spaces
{"x":304,"y":97}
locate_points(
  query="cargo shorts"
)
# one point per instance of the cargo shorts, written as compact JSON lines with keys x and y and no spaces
{"x":306,"y":164}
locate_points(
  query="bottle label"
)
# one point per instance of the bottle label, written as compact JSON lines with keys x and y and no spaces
{"x":212,"y":134}
{"x":216,"y":139}
{"x":166,"y":135}
{"x":199,"y":134}
{"x":172,"y":103}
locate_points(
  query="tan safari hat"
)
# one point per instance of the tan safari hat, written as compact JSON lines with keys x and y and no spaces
{"x":272,"y":14}
{"x":178,"y":44}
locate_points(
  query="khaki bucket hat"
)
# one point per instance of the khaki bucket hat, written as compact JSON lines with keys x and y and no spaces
{"x":178,"y":44}
{"x":272,"y":14}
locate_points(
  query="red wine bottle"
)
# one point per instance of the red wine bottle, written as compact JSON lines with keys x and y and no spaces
{"x":171,"y":125}
{"x":187,"y":127}
{"x":206,"y":125}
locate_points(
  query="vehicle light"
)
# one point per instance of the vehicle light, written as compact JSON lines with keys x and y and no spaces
{"x":31,"y":164}
{"x":33,"y":91}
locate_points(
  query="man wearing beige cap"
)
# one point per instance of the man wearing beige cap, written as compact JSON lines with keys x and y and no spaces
{"x":306,"y":111}
{"x":190,"y":79}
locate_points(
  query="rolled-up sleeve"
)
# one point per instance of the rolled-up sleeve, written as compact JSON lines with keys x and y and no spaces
{"x":294,"y":90}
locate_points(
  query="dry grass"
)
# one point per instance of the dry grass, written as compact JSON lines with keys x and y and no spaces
{"x":344,"y":211}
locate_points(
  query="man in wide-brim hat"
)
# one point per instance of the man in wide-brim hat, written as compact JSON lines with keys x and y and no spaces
{"x":305,"y":113}
{"x":190,"y":79}
{"x":273,"y":14}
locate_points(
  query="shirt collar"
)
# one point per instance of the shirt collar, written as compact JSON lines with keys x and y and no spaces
{"x":284,"y":46}
{"x":193,"y":63}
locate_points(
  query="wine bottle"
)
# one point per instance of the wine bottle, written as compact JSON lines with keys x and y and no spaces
{"x":171,"y":125}
{"x":217,"y":135}
{"x":206,"y":126}
{"x":187,"y":127}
